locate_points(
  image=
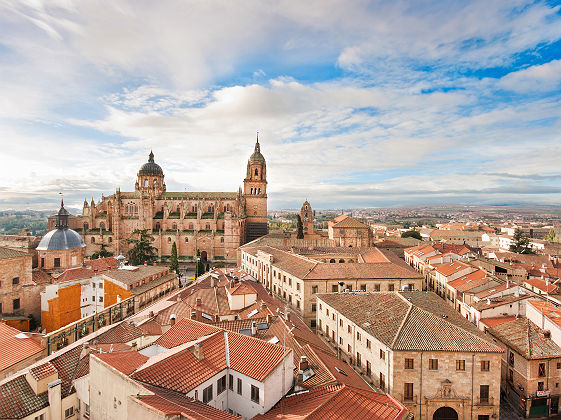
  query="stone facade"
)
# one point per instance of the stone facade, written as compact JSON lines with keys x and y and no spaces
{"x":60,"y":259}
{"x":344,"y":231}
{"x":307,"y":217}
{"x":216,"y":223}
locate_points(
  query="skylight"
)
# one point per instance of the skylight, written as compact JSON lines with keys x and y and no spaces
{"x":274,"y":340}
{"x":252,"y":313}
{"x":207,"y":316}
{"x":341,"y":371}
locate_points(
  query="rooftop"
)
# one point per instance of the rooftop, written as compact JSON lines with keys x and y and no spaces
{"x":16,"y":346}
{"x":10,"y":253}
{"x":130,"y":276}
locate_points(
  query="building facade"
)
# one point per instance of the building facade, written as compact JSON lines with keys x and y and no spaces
{"x":216,"y":223}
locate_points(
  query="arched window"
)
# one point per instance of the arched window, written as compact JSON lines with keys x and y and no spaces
{"x":251,"y":191}
{"x":190,"y":226}
{"x":207,"y":226}
{"x":135,"y":209}
{"x":86,"y":226}
{"x":259,"y":191}
{"x":331,"y":260}
{"x":222,"y":240}
{"x":256,"y":172}
{"x":158,"y":226}
{"x":155,"y":183}
{"x":341,"y":260}
{"x":110,"y":239}
{"x":178,"y":209}
{"x":306,"y":207}
{"x":174,"y":226}
{"x":169,"y":240}
{"x":102,"y":226}
{"x":93,"y":240}
{"x":186,"y":239}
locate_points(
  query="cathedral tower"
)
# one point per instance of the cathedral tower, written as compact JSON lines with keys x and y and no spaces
{"x":307,"y":216}
{"x":255,"y":194}
{"x":151,"y":177}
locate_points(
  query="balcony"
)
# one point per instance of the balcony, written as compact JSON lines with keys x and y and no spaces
{"x":207,"y":216}
{"x":409,"y":399}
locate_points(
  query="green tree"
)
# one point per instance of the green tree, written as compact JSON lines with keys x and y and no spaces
{"x":207,"y":267}
{"x":552,"y":237}
{"x":142,"y":249}
{"x":200,"y":267}
{"x":102,"y":253}
{"x":299,"y":228}
{"x":173,"y":262}
{"x":412,"y":234}
{"x":521,"y":243}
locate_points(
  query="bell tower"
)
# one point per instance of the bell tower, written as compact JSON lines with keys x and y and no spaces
{"x":307,"y":216}
{"x":255,"y":194}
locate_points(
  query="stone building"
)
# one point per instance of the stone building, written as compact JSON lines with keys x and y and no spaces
{"x":307,"y":217}
{"x":296,"y":275}
{"x":62,"y":247}
{"x":418,"y":349}
{"x":216,"y":223}
{"x":345,"y":231}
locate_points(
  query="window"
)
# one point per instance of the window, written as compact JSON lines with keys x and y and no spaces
{"x":42,"y":262}
{"x":313,"y":307}
{"x":101,"y":285}
{"x":314,"y":289}
{"x":368,"y":344}
{"x":540,"y":386}
{"x":382,"y":354}
{"x":334,"y":288}
{"x":484,"y":393}
{"x":376,"y":287}
{"x":92,"y":240}
{"x":239,"y":386}
{"x":349,"y":348}
{"x":69,"y":412}
{"x":221,"y":385}
{"x":15,"y":280}
{"x":368,"y":368}
{"x":363,"y":287}
{"x":358,"y":360}
{"x":390,"y":287}
{"x":433,"y":364}
{"x":511,"y":359}
{"x":408,"y":391}
{"x":341,"y":340}
{"x":510,"y":376}
{"x":57,"y":262}
{"x":16,"y":304}
{"x":169,"y":240}
{"x":254,"y":394}
{"x":290,"y":281}
{"x":298,"y":287}
{"x":558,"y":365}
{"x":382,"y":382}
{"x":483,"y":417}
{"x":313,"y":323}
{"x":409,"y":364}
{"x":541,"y":369}
{"x":40,"y":417}
{"x":207,"y":394}
{"x":349,"y":329}
{"x":101,"y":299}
{"x":485,"y":364}
{"x":460,"y":365}
{"x":358,"y":336}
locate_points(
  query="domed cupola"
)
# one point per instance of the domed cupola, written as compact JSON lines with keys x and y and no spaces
{"x":151,"y":178}
{"x":62,"y":237}
{"x":151,"y":168}
{"x":257,"y":156}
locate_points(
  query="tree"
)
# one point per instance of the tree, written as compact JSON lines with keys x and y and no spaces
{"x":200,"y":268}
{"x":521,"y":243}
{"x":173,"y":263}
{"x":207,"y":267}
{"x":102,"y":253}
{"x":412,"y":234}
{"x":552,"y":237}
{"x":299,"y":228}
{"x":142,"y":249}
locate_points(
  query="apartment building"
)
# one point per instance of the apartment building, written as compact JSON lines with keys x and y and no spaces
{"x":418,"y":349}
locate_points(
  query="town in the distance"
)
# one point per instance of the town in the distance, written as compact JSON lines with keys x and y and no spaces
{"x":153,"y":304}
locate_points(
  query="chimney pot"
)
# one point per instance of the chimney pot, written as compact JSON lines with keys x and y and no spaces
{"x":263,"y":305}
{"x":253,"y":329}
{"x":193,"y":315}
{"x":199,"y":301}
{"x":303,"y":363}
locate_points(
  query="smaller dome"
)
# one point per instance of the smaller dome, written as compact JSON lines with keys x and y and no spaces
{"x":256,"y":155}
{"x":61,"y":239}
{"x":150,"y":167}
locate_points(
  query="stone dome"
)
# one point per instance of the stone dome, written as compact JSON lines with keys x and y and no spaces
{"x":61,"y":239}
{"x":151,"y":168}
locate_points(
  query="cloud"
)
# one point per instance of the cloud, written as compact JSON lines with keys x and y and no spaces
{"x":538,"y":78}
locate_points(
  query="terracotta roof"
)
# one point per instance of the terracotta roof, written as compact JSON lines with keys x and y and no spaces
{"x":16,"y":346}
{"x":417,"y":321}
{"x":552,"y":312}
{"x":492,"y":322}
{"x":74,"y":274}
{"x":139,"y":273}
{"x":241,"y":289}
{"x":337,"y":402}
{"x":43,"y":371}
{"x":543,"y":285}
{"x":126,"y":361}
{"x":184,"y":331}
{"x":497,"y":301}
{"x":122,"y":333}
{"x":109,"y":347}
{"x":447,"y":269}
{"x":18,"y":400}
{"x":40,"y":277}
{"x":493,"y":289}
{"x":471,"y":281}
{"x":345,"y":221}
{"x":71,"y":367}
{"x":10,"y":253}
{"x":526,"y":338}
{"x":103,"y":264}
{"x":151,"y":328}
{"x":180,"y":309}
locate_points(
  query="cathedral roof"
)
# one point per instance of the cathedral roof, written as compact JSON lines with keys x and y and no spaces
{"x":151,"y":167}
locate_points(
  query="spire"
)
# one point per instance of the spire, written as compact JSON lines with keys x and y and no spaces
{"x":257,"y":145}
{"x":62,"y":216}
{"x":151,"y":157}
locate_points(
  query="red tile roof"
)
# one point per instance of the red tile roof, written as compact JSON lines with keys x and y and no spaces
{"x":551,"y":311}
{"x":184,"y":331}
{"x":16,"y":346}
{"x":74,"y":274}
{"x":337,"y":402}
{"x":151,"y":328}
{"x":43,"y":371}
{"x":453,"y":267}
{"x":122,"y":333}
{"x":492,"y":322}
{"x":543,"y":285}
{"x":103,"y":264}
{"x":241,"y":289}
{"x":126,"y":362}
{"x":40,"y":277}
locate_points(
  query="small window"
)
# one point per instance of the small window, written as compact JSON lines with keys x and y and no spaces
{"x":460,"y":365}
{"x":313,"y":307}
{"x":16,"y":304}
{"x":511,"y":359}
{"x":349,"y":329}
{"x":101,"y":299}
{"x":186,"y":240}
{"x":239,"y":386}
{"x":110,"y":239}
{"x":363,"y":287}
{"x":207,"y":394}
{"x":484,"y":393}
{"x":485,"y":364}
{"x":69,"y":412}
{"x":409,"y":363}
{"x":382,"y":354}
{"x":358,"y":335}
{"x":101,"y":285}
{"x":391,"y":287}
{"x":334,"y":288}
{"x":15,"y":280}
{"x":92,"y":240}
{"x":541,"y":369}
{"x":433,"y":364}
{"x":558,"y":365}
{"x":221,"y":385}
{"x":231,"y":382}
{"x":254,"y":394}
{"x":368,"y":344}
{"x":57,"y":262}
{"x":314,"y":289}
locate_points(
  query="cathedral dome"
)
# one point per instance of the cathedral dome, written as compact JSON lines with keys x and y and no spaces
{"x":150,"y":167}
{"x":61,"y":239}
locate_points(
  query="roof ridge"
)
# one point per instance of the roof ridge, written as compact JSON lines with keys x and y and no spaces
{"x":320,"y":362}
{"x":334,"y":392}
{"x":403,"y":321}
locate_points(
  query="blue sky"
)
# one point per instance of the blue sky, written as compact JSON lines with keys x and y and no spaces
{"x":358,"y":103}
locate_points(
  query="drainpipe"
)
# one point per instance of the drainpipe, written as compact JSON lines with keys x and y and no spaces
{"x":421,"y":388}
{"x":472,"y":367}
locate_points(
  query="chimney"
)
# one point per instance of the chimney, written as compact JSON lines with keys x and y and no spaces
{"x":172,"y":320}
{"x":198,"y":351}
{"x":55,"y":400}
{"x":253,"y":329}
{"x":134,"y":346}
{"x":287,"y":316}
{"x":303,"y":363}
{"x":154,"y":263}
{"x":268,"y":319}
{"x":199,"y":301}
{"x":193,"y":315}
{"x":211,"y":281}
{"x":85,"y":351}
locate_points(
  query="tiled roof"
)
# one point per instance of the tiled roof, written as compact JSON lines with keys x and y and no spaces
{"x":10,"y":253}
{"x":103,"y":264}
{"x":241,"y":289}
{"x":549,"y":310}
{"x":40,"y":277}
{"x":492,"y":322}
{"x":494,"y":302}
{"x":447,"y":269}
{"x":122,"y":333}
{"x":493,"y":289}
{"x":337,"y":402}
{"x":184,"y":331}
{"x":345,"y":221}
{"x":416,"y":321}
{"x":132,"y":276}
{"x":526,"y":338}
{"x":126,"y":361}
{"x":18,"y":400}
{"x":43,"y":371}
{"x":151,"y":328}
{"x":174,"y":404}
{"x":180,"y":309}
{"x":74,"y":274}
{"x":541,"y":284}
{"x":153,"y":283}
{"x":16,"y":346}
{"x":71,"y":367}
{"x":109,"y":347}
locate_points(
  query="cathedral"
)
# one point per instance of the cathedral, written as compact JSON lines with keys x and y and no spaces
{"x":216,"y":223}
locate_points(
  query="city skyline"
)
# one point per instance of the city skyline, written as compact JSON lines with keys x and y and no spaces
{"x":357,"y":104}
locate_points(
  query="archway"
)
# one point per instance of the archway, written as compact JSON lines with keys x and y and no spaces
{"x":203,"y":256}
{"x":445,"y":413}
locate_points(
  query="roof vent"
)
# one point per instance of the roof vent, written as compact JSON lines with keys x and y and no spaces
{"x":547,"y":334}
{"x":444,"y":316}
